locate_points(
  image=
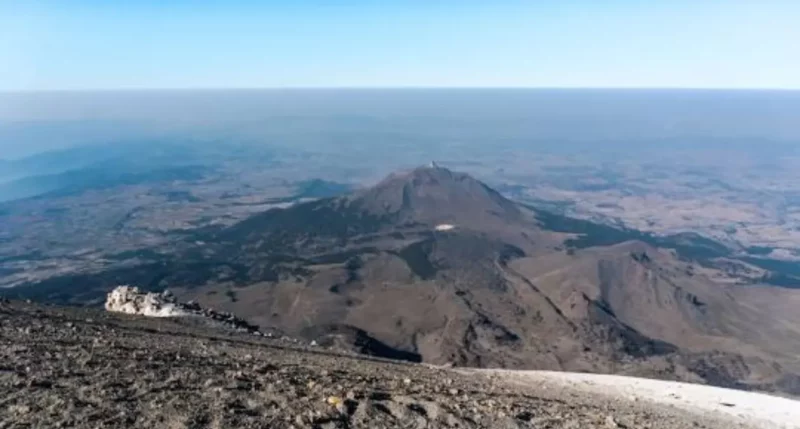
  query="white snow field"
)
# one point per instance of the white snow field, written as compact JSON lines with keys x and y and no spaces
{"x":751,"y":409}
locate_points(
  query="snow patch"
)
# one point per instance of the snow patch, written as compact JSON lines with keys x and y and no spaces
{"x":753,"y":409}
{"x":444,"y":227}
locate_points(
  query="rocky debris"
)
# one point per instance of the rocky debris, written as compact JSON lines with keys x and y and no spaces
{"x":130,"y":300}
{"x":80,"y":368}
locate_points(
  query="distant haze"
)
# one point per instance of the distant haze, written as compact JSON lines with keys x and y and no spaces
{"x":35,"y":122}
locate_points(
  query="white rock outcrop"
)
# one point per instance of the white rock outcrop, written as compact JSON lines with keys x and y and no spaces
{"x":130,"y":300}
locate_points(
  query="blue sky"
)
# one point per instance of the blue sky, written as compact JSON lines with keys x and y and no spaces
{"x":82,"y":44}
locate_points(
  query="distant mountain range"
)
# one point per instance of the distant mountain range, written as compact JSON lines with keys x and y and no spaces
{"x":434,"y":265}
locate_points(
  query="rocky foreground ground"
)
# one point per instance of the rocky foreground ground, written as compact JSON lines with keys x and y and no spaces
{"x":81,"y":368}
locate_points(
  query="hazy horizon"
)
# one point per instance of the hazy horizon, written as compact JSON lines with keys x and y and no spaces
{"x":311,"y":118}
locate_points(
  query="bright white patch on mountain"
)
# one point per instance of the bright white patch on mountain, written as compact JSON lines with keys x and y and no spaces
{"x":745,"y":408}
{"x":444,"y":227}
{"x":127,"y":299}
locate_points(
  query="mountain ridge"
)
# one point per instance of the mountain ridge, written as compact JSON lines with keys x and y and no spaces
{"x":498,"y":288}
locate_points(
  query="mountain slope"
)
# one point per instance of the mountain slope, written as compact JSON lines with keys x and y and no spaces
{"x":435,"y":265}
{"x":86,"y":368}
{"x":468,"y":296}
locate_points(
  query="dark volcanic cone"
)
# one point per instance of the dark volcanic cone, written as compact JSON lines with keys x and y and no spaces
{"x":423,"y":197}
{"x":435,"y":195}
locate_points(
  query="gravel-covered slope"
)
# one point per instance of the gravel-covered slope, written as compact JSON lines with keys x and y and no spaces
{"x":67,"y":367}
